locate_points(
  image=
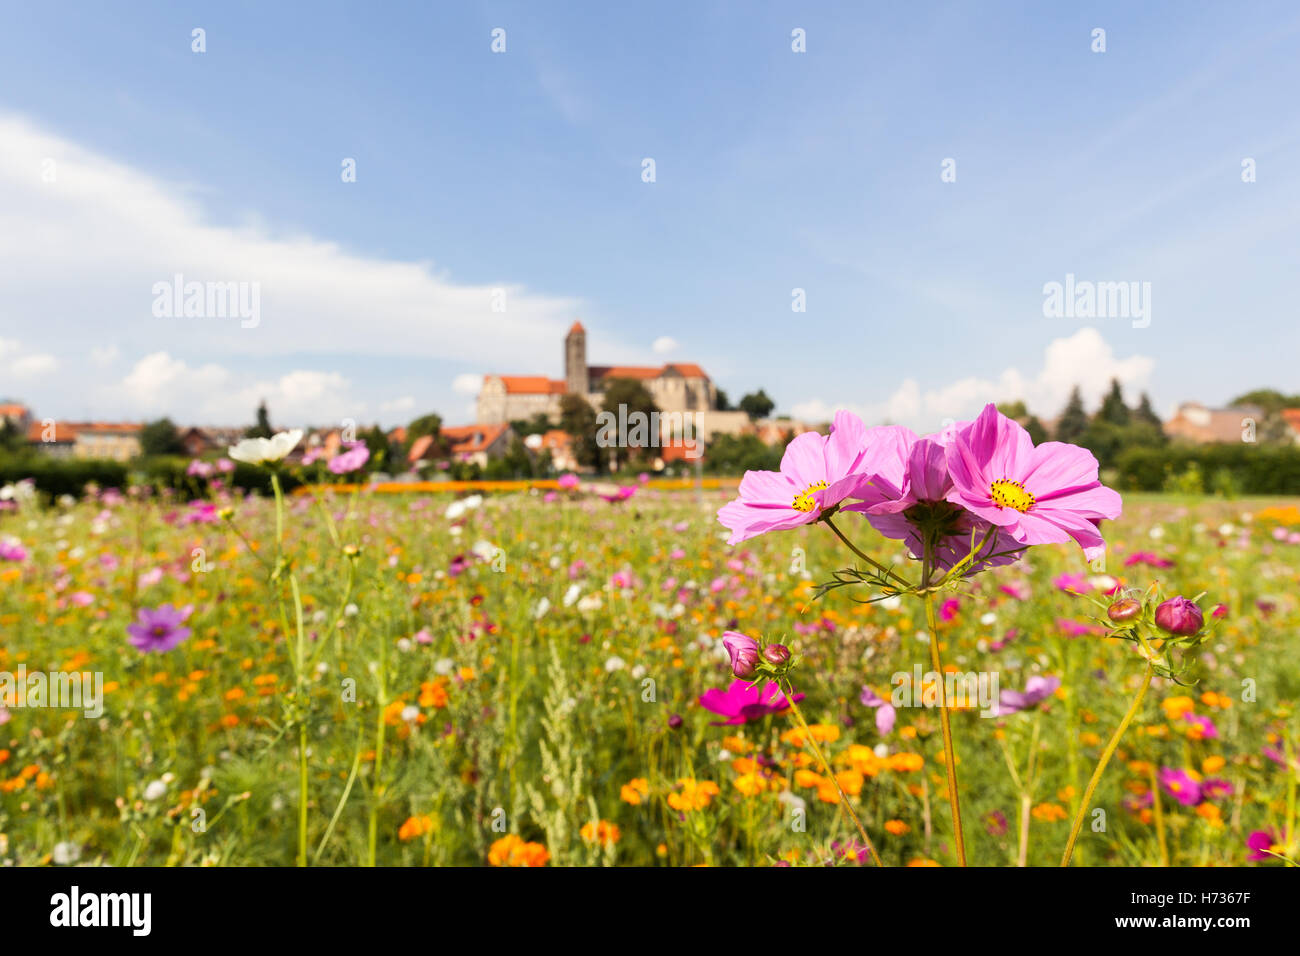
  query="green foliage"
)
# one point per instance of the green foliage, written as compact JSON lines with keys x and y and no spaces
{"x":1074,"y":420}
{"x":161,"y":438}
{"x":578,"y":420}
{"x":736,"y":454}
{"x":263,"y":427}
{"x":1248,"y":469}
{"x":56,"y":476}
{"x":757,"y":405}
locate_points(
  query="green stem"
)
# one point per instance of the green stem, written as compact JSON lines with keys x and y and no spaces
{"x":1105,"y":759}
{"x":865,"y":557}
{"x":949,"y":757}
{"x":826,"y":769}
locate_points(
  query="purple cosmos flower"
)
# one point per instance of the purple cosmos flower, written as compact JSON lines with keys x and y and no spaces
{"x":1180,"y":785}
{"x":817,"y":473}
{"x":158,"y":631}
{"x":351,"y":460}
{"x":1204,"y":727}
{"x":741,"y":703}
{"x":1037,"y":689}
{"x":567,"y":481}
{"x":743,"y":652}
{"x":1041,"y":494}
{"x":885,"y":713}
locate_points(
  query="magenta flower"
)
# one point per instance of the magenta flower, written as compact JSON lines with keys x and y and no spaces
{"x":158,"y":631}
{"x":1205,"y":727}
{"x":743,"y":652}
{"x":742,"y":703}
{"x":1037,"y":495}
{"x":351,"y":460}
{"x":11,"y":549}
{"x":1260,"y":842}
{"x":1179,"y":616}
{"x":567,"y":481}
{"x":817,"y":473}
{"x":1148,"y":558}
{"x":1037,"y":689}
{"x":1180,"y":785}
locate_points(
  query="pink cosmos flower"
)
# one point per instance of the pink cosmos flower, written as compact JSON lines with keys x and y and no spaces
{"x":351,"y":460}
{"x":817,"y":473}
{"x":11,"y":549}
{"x":1260,"y":842}
{"x":159,"y":630}
{"x":909,"y":482}
{"x":741,"y":703}
{"x":567,"y":481}
{"x":1041,"y":494}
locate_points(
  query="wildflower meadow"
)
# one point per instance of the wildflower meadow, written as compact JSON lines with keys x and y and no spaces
{"x":897,"y":650}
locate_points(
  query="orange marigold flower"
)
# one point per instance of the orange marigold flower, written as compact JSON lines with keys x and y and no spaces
{"x":897,"y":827}
{"x":414,"y":827}
{"x":602,"y":832}
{"x":634,"y":791}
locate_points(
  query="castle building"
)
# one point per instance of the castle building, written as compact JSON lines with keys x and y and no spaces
{"x":676,"y":387}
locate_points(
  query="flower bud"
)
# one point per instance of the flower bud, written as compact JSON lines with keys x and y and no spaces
{"x":776,"y":654}
{"x":1179,"y":616}
{"x":744,"y":653}
{"x":1124,"y":610}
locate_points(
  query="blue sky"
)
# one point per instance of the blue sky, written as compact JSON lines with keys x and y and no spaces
{"x":521,"y":171}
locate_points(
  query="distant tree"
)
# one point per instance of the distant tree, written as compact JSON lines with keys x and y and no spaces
{"x":382,"y":452}
{"x":539,"y":424}
{"x":1074,"y":420}
{"x":632,"y":395}
{"x":736,"y":454}
{"x":1019,"y":412}
{"x":578,"y":421}
{"x":757,"y":405}
{"x":1146,"y":414}
{"x":430,"y":424}
{"x":1113,"y":411}
{"x":161,"y":438}
{"x":263,"y":427}
{"x":1269,"y":399}
{"x":12,"y":439}
{"x":724,"y":403}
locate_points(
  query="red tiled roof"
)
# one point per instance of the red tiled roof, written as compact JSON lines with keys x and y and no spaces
{"x":419,"y":448}
{"x":465,"y":439}
{"x":623,"y":371}
{"x":685,"y":369}
{"x":556,"y":438}
{"x":13,"y":411}
{"x":63,"y":432}
{"x":1292,"y":417}
{"x":576,"y":327}
{"x":532,"y":385}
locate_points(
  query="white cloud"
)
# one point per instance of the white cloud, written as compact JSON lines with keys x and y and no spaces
{"x":665,"y":344}
{"x":105,"y":356}
{"x":1084,"y":359}
{"x":467,"y":384}
{"x":93,"y":243}
{"x":30,"y":366}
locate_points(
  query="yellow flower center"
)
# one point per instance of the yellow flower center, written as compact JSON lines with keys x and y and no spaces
{"x":808,"y":500}
{"x":1011,"y":494}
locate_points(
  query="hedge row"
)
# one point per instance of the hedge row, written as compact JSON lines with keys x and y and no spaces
{"x":69,"y":476}
{"x":1249,"y":469}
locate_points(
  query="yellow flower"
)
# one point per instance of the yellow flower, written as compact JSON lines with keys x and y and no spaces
{"x":1176,"y":707}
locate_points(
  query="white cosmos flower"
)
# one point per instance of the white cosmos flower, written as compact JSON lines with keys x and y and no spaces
{"x":255,"y":451}
{"x":543,"y":606}
{"x":155,"y":791}
{"x":572,"y":595}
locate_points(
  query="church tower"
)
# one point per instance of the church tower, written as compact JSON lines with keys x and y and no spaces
{"x":575,"y":361}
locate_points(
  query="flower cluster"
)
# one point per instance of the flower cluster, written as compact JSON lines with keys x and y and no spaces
{"x":976,"y":481}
